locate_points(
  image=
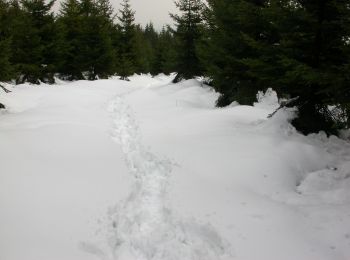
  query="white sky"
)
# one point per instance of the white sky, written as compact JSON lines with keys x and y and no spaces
{"x":156,"y":11}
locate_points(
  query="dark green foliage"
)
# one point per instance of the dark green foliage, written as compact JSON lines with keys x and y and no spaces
{"x":86,"y":39}
{"x":6,"y":68}
{"x":164,"y":60}
{"x":32,"y":39}
{"x":69,"y":22}
{"x":126,"y":44}
{"x":96,"y":44}
{"x":314,"y":64}
{"x":144,"y":50}
{"x":146,"y":44}
{"x":236,"y":40}
{"x":300,"y":48}
{"x":187,"y":35}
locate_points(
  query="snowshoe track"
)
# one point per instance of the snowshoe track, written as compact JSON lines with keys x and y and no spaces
{"x":142,"y":227}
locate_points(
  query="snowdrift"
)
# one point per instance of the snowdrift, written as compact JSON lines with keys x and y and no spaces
{"x":148,"y":169}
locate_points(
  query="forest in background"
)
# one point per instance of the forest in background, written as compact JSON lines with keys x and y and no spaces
{"x":299,"y":48}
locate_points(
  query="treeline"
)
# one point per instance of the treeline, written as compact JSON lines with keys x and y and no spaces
{"x":85,"y":40}
{"x":299,"y":48}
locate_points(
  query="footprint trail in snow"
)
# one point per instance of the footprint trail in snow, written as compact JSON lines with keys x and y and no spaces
{"x":142,"y":227}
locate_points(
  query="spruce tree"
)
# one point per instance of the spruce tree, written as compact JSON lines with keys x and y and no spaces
{"x":300,"y":48}
{"x":32,"y":33}
{"x":69,"y":23}
{"x":6,"y":68}
{"x":146,"y":44}
{"x":314,"y":58}
{"x":126,"y":52}
{"x":237,"y":47}
{"x":86,"y":39}
{"x":143,"y":50}
{"x":164,"y":60}
{"x":97,"y":52}
{"x":188,"y":33}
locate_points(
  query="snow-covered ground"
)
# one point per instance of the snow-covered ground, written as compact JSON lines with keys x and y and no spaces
{"x":146,"y":169}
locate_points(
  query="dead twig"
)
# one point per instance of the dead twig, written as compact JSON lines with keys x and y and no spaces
{"x":286,"y":103}
{"x":5,"y":89}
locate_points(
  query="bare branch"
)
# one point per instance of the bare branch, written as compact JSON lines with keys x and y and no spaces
{"x":287,"y":103}
{"x":5,"y":89}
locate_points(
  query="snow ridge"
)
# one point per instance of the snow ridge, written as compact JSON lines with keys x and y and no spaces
{"x":142,"y":227}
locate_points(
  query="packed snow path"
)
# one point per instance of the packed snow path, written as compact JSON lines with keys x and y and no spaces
{"x":143,"y":227}
{"x":189,"y":181}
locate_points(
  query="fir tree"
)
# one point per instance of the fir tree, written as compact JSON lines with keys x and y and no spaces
{"x":147,"y":42}
{"x":96,"y":38}
{"x":188,"y":32}
{"x":32,"y":37}
{"x":143,"y":51}
{"x":314,"y":58}
{"x":69,"y":23}
{"x":86,"y":39}
{"x":126,"y":57}
{"x":300,"y":48}
{"x":165,"y":53}
{"x":6,"y":68}
{"x":238,"y":36}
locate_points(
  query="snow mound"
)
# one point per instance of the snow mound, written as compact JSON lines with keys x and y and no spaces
{"x":345,"y":134}
{"x":267,"y":100}
{"x":233,"y":104}
{"x":20,"y":101}
{"x":280,"y":122}
{"x":329,"y":185}
{"x":191,"y":83}
{"x":187,"y":94}
{"x":332,"y":184}
{"x":146,"y":80}
{"x":162,"y":77}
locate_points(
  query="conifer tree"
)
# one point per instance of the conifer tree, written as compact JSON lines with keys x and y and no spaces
{"x":32,"y":37}
{"x":146,"y":41}
{"x":188,"y":33}
{"x":314,"y":60}
{"x":96,"y":35}
{"x":69,"y":23}
{"x":238,"y":36}
{"x":143,"y":51}
{"x":86,"y":39}
{"x":164,"y":60}
{"x":6,"y":68}
{"x":126,"y":57}
{"x":300,"y":48}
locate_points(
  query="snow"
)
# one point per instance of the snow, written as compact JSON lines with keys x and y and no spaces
{"x":148,"y":169}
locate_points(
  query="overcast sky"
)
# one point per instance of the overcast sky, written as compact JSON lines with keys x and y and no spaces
{"x":156,"y":11}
